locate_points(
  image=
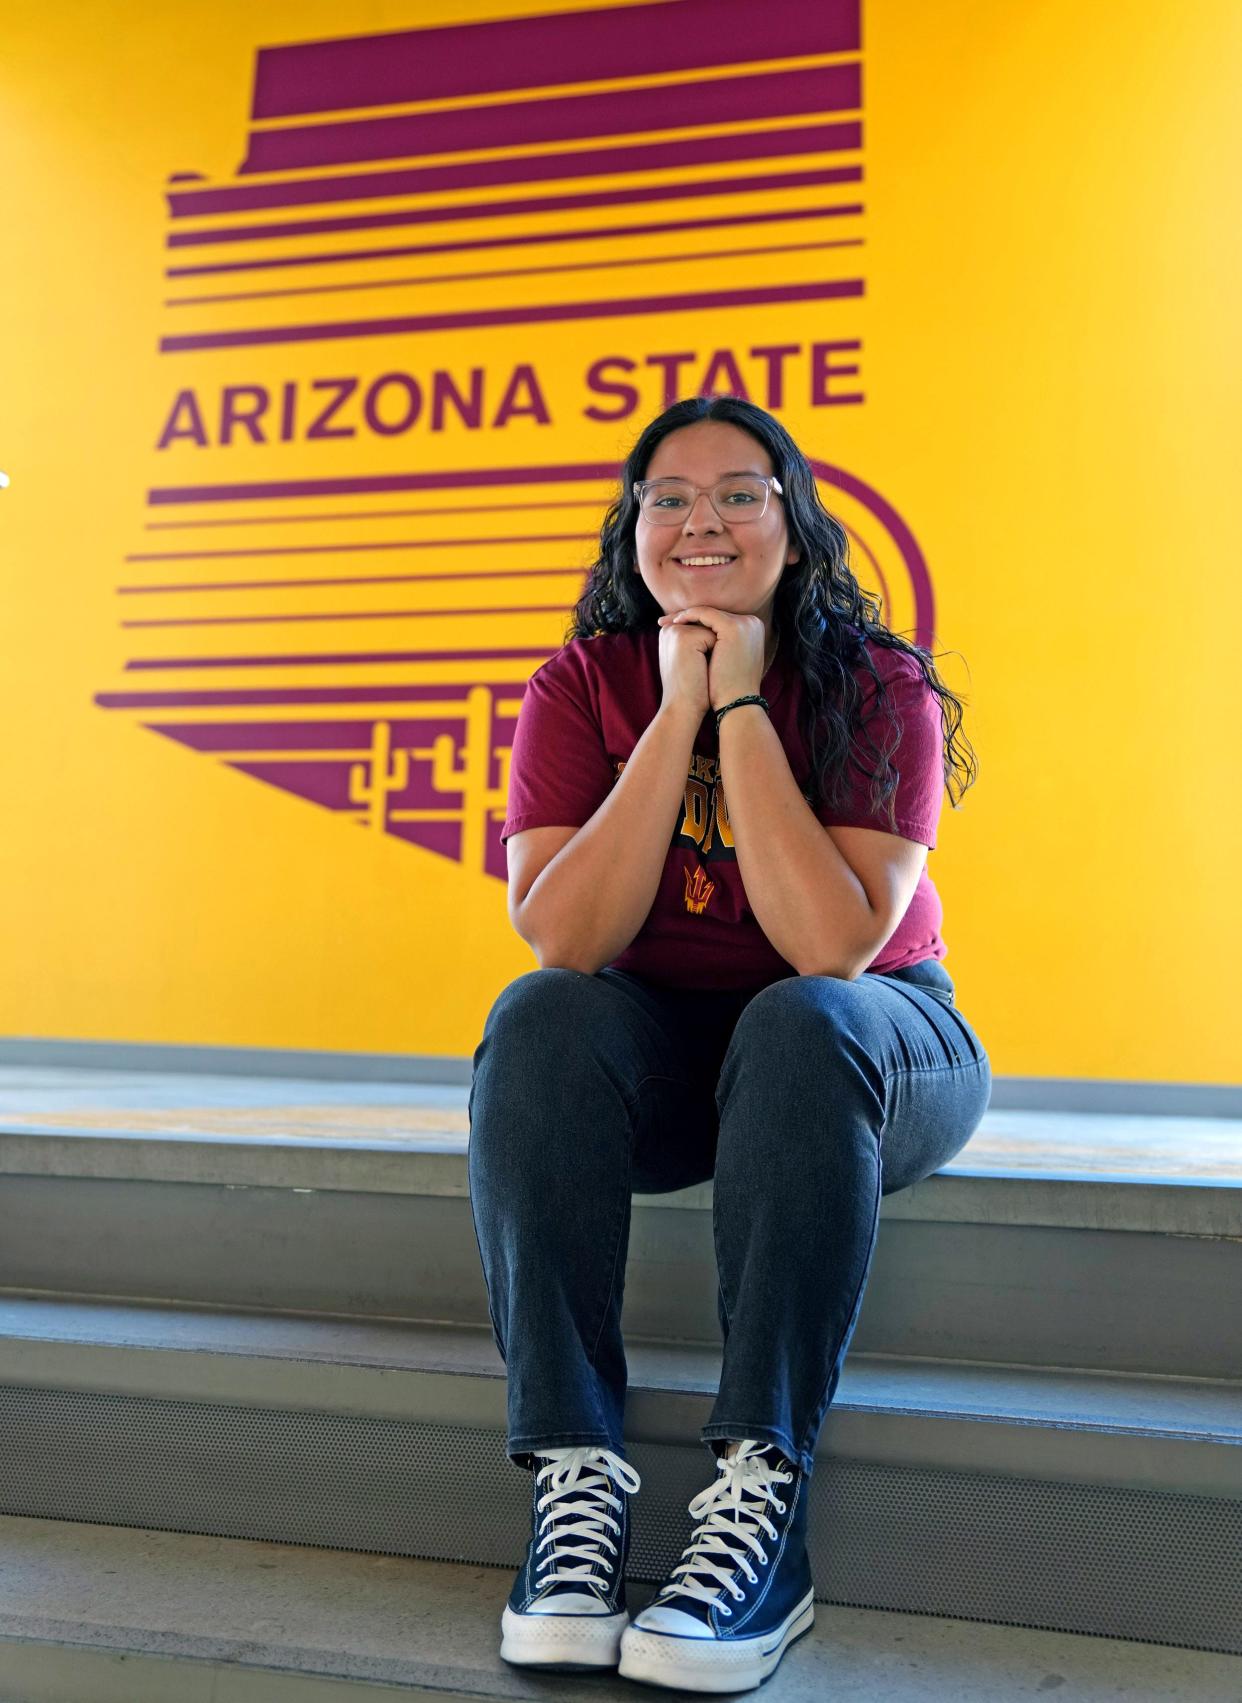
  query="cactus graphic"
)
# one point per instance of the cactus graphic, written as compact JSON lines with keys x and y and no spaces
{"x":460,"y":764}
{"x":371,"y":783}
{"x":469,"y":777}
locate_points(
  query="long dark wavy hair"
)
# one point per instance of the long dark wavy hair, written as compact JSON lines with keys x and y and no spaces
{"x":819,"y":606}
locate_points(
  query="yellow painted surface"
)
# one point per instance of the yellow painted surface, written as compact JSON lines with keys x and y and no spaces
{"x":1049,"y":365}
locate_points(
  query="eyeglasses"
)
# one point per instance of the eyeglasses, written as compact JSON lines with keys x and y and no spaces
{"x":667,"y":502}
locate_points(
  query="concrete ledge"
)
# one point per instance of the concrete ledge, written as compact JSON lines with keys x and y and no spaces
{"x":1033,"y":1093}
{"x":436,"y":1165}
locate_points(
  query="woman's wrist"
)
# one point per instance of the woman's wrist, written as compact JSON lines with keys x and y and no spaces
{"x":755,"y":698}
{"x":682,"y":712}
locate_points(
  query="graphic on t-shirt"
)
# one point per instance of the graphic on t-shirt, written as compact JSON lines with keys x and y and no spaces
{"x":703,"y":825}
{"x":705,"y":818}
{"x":698,"y":890}
{"x":704,"y":822}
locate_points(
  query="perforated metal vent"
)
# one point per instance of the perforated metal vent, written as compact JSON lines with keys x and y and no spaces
{"x":1076,"y":1558}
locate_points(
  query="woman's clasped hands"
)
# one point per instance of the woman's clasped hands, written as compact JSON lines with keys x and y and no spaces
{"x":733,"y":644}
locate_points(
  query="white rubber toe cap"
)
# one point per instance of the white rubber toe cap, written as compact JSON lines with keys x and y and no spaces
{"x":570,"y":1602}
{"x":660,"y":1618}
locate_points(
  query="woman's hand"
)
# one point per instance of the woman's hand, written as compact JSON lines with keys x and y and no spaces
{"x":684,"y":649}
{"x":735,"y":657}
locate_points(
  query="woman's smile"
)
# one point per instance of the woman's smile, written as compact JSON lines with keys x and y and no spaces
{"x":701,"y":563}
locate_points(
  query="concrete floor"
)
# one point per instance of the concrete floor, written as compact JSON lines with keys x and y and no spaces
{"x":210,"y":1610}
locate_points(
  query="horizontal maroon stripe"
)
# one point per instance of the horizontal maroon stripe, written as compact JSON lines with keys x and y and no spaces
{"x":522,"y":168}
{"x":324,"y":659}
{"x":340,"y":549}
{"x":564,"y":118}
{"x":541,"y":51}
{"x":277,"y":739}
{"x":269,"y":737}
{"x":701,"y":187}
{"x":345,"y":615}
{"x":366,"y":483}
{"x":537,"y":314}
{"x":565,"y":267}
{"x":341,"y":579}
{"x":359,"y":514}
{"x":203,"y":699}
{"x":523,"y":239}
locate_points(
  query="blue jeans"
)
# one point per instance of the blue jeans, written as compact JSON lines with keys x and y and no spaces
{"x":805,"y":1101}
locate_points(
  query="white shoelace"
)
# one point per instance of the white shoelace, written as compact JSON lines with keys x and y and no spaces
{"x":581,"y":1474}
{"x":723,"y":1514}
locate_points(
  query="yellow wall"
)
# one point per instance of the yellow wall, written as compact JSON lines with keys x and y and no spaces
{"x":1049,"y":367}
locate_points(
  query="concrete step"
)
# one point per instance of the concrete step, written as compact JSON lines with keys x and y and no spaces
{"x":1145,"y":1432}
{"x":1106,"y":1274}
{"x":1013,"y":1136}
{"x":97,"y":1614}
{"x":1098,"y":1503}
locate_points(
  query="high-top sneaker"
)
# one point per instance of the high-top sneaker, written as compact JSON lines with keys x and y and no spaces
{"x":742,"y":1592}
{"x":567,"y":1607}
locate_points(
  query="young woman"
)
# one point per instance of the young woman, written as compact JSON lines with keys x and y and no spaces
{"x":724,"y":788}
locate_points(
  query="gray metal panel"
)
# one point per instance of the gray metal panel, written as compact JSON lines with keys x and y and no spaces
{"x":1104,"y":1299}
{"x":1013,"y":1550}
{"x":1143,"y":1433}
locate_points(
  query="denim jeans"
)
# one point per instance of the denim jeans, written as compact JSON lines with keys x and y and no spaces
{"x":805,"y":1101}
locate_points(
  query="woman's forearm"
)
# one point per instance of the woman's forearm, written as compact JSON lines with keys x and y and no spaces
{"x":590,"y":901}
{"x":805,"y":896}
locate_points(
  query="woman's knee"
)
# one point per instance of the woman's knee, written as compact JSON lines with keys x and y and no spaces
{"x":806,"y":1033}
{"x":796,"y":1012}
{"x":540,"y":1038}
{"x":537,"y":1005}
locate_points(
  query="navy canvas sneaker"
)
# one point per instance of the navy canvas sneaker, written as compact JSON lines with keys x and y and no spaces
{"x":567,"y":1606}
{"x":742,"y":1592}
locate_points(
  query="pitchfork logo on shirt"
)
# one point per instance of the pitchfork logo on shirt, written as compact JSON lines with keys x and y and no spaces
{"x":698,"y":891}
{"x":382,"y":453}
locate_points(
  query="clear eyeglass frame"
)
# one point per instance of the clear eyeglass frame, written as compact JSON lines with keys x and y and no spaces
{"x":731,"y":514}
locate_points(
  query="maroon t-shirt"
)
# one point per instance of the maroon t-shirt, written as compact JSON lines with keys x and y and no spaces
{"x":584,"y":711}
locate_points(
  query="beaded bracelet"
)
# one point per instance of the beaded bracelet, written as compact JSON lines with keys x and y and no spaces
{"x":724,"y":710}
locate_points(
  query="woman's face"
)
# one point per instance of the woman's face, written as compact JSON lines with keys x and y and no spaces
{"x":759,"y":550}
